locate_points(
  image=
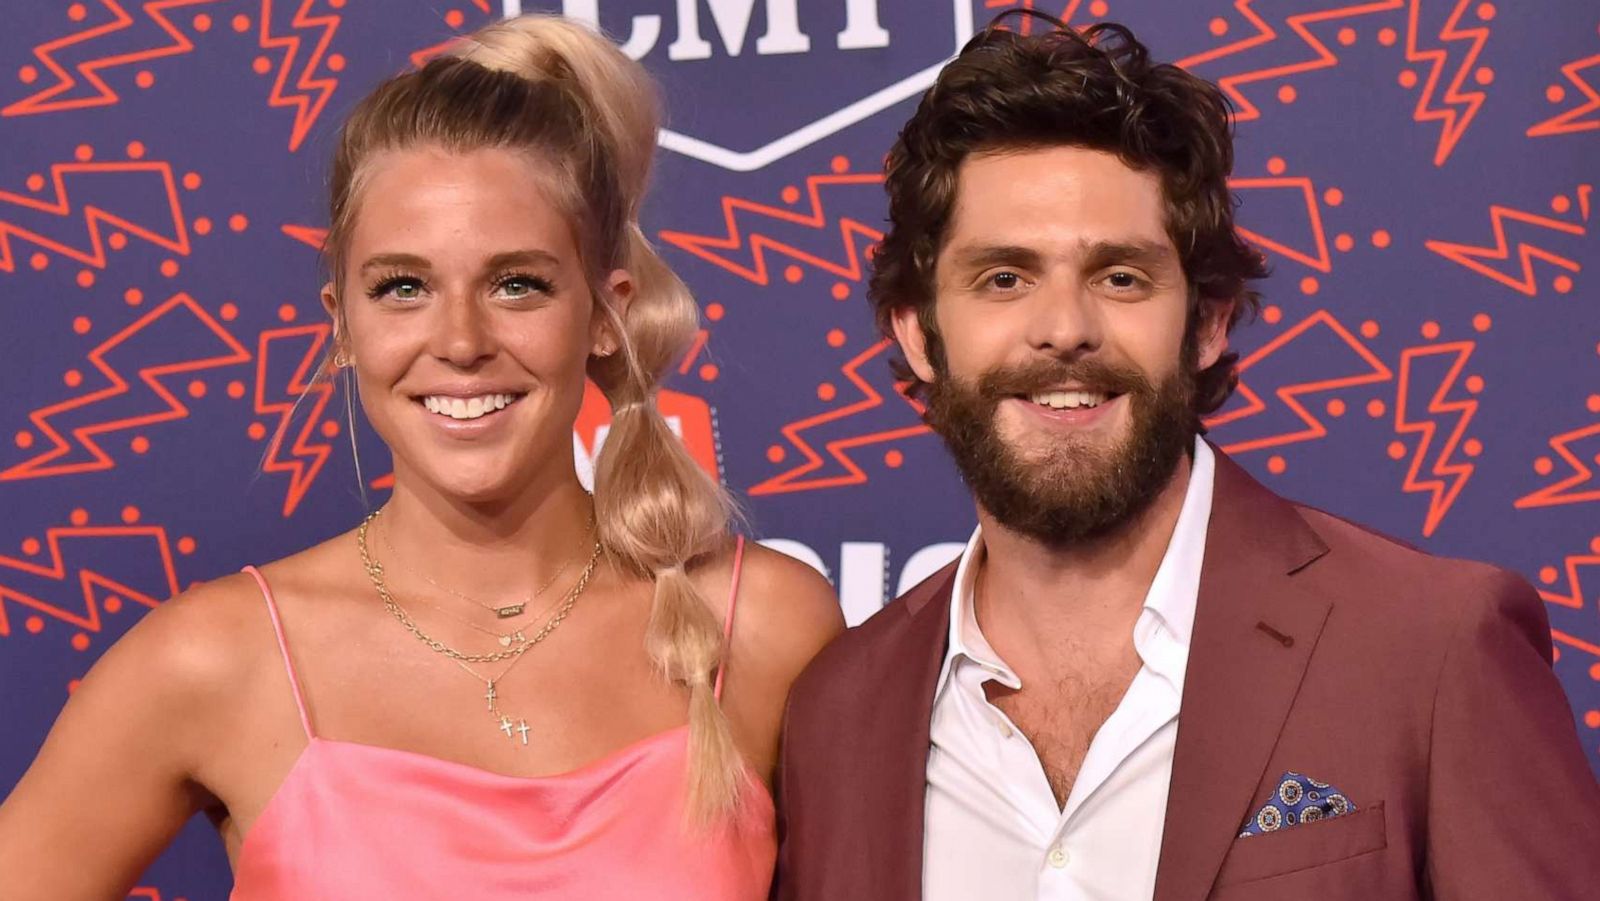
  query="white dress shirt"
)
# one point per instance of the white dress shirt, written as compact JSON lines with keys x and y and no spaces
{"x":993,"y":828}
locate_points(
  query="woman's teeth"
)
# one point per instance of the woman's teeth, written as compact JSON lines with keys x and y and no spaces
{"x":1068,"y":400}
{"x":467,"y":407}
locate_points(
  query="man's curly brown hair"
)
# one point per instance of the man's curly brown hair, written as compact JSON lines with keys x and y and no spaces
{"x":1099,"y":90}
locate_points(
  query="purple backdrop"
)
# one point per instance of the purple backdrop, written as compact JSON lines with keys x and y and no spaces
{"x":1418,"y":171}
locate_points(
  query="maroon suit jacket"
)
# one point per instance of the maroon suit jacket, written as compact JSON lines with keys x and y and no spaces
{"x":1419,"y":686}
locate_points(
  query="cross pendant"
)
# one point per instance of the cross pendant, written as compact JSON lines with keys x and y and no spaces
{"x":523,"y":728}
{"x":505,"y":725}
{"x":490,"y":696}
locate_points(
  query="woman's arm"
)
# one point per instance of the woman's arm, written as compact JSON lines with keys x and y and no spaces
{"x":786,"y":613}
{"x":112,"y":784}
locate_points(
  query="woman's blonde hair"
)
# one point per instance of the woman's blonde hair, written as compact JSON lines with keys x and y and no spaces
{"x":587,"y":116}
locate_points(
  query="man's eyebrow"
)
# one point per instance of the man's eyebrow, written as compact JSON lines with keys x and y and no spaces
{"x":979,"y":256}
{"x":1106,"y":253}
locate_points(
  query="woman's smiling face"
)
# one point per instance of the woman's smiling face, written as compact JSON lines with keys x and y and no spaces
{"x":468,"y":317}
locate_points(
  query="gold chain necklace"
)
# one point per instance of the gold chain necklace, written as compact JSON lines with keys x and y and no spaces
{"x":375,"y":573}
{"x":503,"y":611}
{"x":506,"y":639}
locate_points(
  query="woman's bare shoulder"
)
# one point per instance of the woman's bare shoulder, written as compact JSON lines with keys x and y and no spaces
{"x":202,"y":642}
{"x":128,"y":759}
{"x":787,"y":592}
{"x":205,"y":638}
{"x":158,"y":691}
{"x":785,"y":612}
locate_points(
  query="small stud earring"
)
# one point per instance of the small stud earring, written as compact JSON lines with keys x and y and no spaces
{"x":341,"y":359}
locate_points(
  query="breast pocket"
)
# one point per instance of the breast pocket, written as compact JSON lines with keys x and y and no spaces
{"x":1303,"y":847}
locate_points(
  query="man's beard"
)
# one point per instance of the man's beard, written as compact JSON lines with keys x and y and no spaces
{"x":1077,"y":490}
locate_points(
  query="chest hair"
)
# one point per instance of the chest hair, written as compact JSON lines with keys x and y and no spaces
{"x":1061,"y":713}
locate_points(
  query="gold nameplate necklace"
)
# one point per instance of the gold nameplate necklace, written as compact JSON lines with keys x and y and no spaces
{"x":503,"y":611}
{"x":514,"y":729}
{"x":506,"y":639}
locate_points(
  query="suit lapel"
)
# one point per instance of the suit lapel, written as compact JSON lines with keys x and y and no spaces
{"x":896,"y":765}
{"x":1254,"y":633}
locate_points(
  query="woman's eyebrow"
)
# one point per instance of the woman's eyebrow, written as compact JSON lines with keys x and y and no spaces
{"x":395,"y":261}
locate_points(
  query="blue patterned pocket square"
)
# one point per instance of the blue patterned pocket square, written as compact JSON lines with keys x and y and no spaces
{"x":1299,"y":799}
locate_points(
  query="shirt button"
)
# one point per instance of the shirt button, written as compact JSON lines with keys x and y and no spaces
{"x":1005,"y":730}
{"x":1058,"y":857}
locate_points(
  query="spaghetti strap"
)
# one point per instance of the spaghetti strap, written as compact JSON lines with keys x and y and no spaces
{"x":727,"y":623}
{"x":283,"y":648}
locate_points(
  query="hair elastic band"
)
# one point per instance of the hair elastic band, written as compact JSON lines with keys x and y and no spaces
{"x":631,"y":405}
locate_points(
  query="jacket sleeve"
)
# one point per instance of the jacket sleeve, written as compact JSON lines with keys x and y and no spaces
{"x":783,"y":877}
{"x":1513,"y":808}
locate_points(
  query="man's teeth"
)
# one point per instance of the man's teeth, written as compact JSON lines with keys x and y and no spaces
{"x":1068,"y":400}
{"x":467,"y":407}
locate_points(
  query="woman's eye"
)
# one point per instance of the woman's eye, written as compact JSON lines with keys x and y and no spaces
{"x":399,"y":288}
{"x":521,"y":286}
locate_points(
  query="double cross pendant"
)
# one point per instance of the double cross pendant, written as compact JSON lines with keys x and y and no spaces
{"x":506,"y":726}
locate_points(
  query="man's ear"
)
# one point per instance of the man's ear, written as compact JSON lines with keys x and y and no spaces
{"x":620,"y":290}
{"x":913,"y":342}
{"x":1212,"y":339}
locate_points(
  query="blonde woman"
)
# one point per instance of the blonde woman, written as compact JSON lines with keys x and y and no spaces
{"x":497,"y":686}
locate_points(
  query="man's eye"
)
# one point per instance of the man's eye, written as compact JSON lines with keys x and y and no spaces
{"x":1005,"y":280}
{"x":1124,"y":281}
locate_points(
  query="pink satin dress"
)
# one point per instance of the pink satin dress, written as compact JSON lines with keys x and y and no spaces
{"x":354,"y":821}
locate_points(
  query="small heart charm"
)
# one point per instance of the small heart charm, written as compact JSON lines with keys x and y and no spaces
{"x":505,"y":641}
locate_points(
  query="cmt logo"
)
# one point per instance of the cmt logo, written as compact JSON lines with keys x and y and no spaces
{"x":731,"y":19}
{"x":864,"y":570}
{"x":772,"y":103}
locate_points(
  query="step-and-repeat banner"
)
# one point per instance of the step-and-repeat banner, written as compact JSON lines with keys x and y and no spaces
{"x":1419,"y":172}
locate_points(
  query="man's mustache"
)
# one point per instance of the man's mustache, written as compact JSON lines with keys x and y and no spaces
{"x":1045,"y":375}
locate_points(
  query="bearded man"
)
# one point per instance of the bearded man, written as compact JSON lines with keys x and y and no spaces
{"x":1147,"y":676}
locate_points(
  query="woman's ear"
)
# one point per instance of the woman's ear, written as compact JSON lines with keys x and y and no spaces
{"x":620,"y":291}
{"x":341,"y":336}
{"x":330,"y":301}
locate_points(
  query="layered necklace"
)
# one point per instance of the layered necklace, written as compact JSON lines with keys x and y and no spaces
{"x":501,"y":611}
{"x":515,"y":645}
{"x":505,"y":611}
